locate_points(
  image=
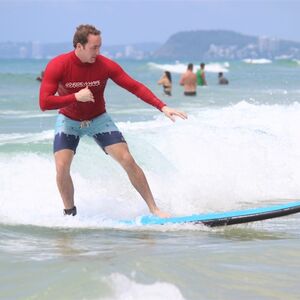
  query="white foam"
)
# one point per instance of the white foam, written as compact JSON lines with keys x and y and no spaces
{"x":12,"y":112}
{"x":218,"y":159}
{"x":24,"y":138}
{"x":181,"y":67}
{"x":283,"y":57}
{"x":20,"y":114}
{"x":124,"y":288}
{"x":257,"y":61}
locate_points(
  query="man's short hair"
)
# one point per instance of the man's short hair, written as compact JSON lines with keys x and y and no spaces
{"x":82,"y":32}
{"x":190,"y":66}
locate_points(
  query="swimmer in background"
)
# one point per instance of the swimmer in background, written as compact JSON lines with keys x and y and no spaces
{"x":40,"y":78}
{"x":166,"y":82}
{"x":189,"y":81}
{"x":201,"y":79}
{"x":222,"y":79}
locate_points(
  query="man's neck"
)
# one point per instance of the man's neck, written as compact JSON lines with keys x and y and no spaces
{"x":79,"y":57}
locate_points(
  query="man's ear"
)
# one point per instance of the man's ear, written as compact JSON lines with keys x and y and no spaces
{"x":79,"y":46}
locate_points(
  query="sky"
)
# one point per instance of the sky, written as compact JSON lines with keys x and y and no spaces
{"x":136,"y":21}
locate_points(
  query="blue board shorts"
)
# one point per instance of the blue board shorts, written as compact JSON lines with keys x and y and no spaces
{"x":102,"y":128}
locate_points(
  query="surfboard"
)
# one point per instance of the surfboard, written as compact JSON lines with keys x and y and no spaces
{"x":223,"y":218}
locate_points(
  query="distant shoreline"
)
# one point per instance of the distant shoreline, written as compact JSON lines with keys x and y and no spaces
{"x":199,"y":45}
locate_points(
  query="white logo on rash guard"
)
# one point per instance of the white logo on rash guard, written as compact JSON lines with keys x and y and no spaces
{"x":74,"y":85}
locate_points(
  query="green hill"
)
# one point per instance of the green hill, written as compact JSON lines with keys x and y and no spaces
{"x":222,"y":44}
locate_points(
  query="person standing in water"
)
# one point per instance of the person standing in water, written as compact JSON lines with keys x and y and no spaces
{"x":40,"y":78}
{"x":189,"y":81}
{"x":222,"y":79}
{"x":166,"y":82}
{"x":201,"y":79}
{"x":74,"y":83}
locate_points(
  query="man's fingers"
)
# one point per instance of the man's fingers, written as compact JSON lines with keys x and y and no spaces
{"x":171,"y":117}
{"x":90,"y":95}
{"x":85,"y":95}
{"x":170,"y":113}
{"x":180,"y":114}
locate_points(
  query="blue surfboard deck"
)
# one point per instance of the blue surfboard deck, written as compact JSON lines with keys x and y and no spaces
{"x":223,"y":218}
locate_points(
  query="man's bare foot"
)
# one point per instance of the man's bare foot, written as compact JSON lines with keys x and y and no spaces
{"x":157,"y":212}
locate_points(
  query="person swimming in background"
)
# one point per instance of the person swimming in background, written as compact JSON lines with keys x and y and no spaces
{"x":201,"y":79}
{"x":222,"y":79}
{"x":40,"y":78}
{"x":189,"y":81}
{"x":166,"y":82}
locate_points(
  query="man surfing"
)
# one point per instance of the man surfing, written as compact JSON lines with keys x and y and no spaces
{"x":74,"y":83}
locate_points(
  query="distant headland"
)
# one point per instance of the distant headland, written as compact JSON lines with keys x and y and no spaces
{"x":221,"y":44}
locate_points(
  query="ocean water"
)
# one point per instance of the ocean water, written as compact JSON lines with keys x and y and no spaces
{"x":239,"y":148}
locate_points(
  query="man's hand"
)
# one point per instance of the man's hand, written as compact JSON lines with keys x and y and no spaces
{"x":85,"y":95}
{"x":170,"y":113}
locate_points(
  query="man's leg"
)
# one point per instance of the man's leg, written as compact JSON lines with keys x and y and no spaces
{"x":121,"y":154}
{"x":63,"y":160}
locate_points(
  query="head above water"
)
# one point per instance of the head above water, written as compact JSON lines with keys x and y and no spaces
{"x":168,"y":74}
{"x":87,"y":42}
{"x":190,"y":67}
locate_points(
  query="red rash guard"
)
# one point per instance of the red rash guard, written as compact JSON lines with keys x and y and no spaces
{"x":67,"y":75}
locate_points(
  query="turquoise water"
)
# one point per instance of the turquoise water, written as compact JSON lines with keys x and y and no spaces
{"x":238,"y":149}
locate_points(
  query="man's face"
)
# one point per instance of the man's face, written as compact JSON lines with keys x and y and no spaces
{"x":90,"y":50}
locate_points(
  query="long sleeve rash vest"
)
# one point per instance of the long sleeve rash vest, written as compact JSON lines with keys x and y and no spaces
{"x":65,"y":75}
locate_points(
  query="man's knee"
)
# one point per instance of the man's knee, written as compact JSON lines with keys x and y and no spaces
{"x":126,"y":160}
{"x":62,"y":168}
{"x":63,"y":162}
